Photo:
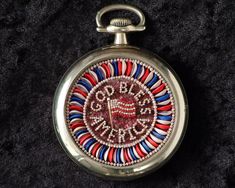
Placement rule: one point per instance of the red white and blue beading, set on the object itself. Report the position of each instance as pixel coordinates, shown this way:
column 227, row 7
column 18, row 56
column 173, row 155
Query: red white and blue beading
column 151, row 141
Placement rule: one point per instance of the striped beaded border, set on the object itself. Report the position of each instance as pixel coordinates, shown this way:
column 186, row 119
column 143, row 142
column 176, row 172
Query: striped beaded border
column 120, row 156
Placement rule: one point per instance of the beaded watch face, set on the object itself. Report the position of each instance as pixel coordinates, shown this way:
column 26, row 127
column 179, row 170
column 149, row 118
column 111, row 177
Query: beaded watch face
column 120, row 111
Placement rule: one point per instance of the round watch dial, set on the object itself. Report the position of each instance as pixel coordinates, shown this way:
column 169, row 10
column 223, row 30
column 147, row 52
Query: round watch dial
column 120, row 111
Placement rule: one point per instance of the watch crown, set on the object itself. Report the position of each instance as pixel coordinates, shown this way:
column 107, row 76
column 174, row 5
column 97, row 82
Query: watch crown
column 120, row 22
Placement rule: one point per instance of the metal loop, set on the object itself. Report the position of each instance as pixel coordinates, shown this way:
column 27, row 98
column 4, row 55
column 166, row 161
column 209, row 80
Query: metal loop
column 120, row 7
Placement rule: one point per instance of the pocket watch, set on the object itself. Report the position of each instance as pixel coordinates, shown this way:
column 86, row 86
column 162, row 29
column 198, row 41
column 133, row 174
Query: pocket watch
column 120, row 112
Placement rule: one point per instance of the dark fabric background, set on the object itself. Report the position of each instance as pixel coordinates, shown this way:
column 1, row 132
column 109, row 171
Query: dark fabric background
column 39, row 40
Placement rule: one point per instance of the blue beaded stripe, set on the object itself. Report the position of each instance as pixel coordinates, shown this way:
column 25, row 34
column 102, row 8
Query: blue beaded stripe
column 118, row 155
column 155, row 133
column 79, row 132
column 102, row 152
column 148, row 149
column 74, row 116
column 162, row 98
column 138, row 71
column 152, row 81
column 84, row 83
column 99, row 73
column 115, row 67
column 165, row 118
column 132, row 154
column 89, row 143
column 77, row 99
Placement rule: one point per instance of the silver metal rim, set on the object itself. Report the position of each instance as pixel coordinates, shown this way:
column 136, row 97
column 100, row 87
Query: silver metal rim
column 146, row 166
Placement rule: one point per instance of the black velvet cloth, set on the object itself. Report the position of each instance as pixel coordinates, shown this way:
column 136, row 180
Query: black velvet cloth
column 40, row 39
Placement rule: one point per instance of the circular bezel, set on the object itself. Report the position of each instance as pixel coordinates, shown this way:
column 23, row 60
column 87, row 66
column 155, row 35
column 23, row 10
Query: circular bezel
column 149, row 164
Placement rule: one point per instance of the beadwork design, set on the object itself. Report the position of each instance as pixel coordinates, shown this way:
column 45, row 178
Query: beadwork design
column 120, row 111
